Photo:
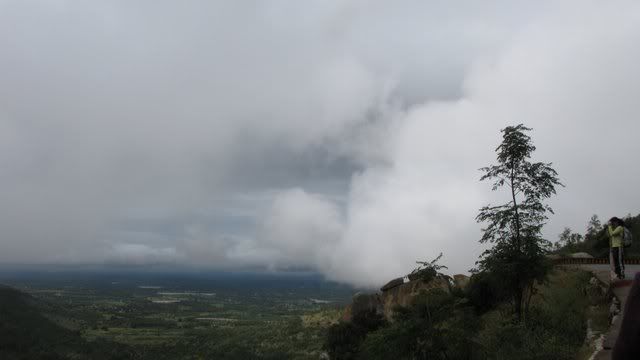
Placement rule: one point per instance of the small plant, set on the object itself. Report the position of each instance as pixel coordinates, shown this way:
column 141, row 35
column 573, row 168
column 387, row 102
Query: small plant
column 427, row 270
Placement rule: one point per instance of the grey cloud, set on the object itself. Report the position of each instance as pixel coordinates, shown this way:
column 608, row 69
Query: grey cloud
column 339, row 136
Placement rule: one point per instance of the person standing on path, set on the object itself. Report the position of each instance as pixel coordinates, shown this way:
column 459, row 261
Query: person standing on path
column 615, row 230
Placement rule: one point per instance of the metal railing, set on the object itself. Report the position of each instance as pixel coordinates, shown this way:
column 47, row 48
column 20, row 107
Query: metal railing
column 591, row 261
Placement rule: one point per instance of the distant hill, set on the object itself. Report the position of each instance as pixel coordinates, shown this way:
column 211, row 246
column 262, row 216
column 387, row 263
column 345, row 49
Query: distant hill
column 25, row 333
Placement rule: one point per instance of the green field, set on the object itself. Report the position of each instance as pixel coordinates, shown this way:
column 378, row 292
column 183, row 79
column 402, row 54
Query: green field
column 178, row 322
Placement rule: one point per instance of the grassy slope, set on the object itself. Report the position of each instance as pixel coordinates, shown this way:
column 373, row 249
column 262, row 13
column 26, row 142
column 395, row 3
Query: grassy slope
column 561, row 310
column 25, row 333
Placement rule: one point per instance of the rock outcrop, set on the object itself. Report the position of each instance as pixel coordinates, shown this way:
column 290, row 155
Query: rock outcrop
column 391, row 284
column 461, row 281
column 405, row 294
column 398, row 292
column 363, row 303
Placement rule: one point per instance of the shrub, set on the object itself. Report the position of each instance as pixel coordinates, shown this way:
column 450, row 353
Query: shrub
column 485, row 291
column 344, row 339
column 436, row 326
column 555, row 327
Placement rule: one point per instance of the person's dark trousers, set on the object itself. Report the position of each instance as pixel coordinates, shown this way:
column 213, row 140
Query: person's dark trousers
column 617, row 259
column 627, row 345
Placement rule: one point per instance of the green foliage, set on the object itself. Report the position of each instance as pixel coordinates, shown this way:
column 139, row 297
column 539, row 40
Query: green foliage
column 427, row 270
column 596, row 241
column 555, row 328
column 594, row 226
column 343, row 339
column 26, row 334
column 441, row 325
column 485, row 291
column 517, row 256
column 436, row 326
column 92, row 321
column 633, row 224
column 568, row 241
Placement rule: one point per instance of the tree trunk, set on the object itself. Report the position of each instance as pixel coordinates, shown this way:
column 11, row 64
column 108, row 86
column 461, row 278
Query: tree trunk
column 528, row 302
column 518, row 303
column 519, row 291
column 515, row 207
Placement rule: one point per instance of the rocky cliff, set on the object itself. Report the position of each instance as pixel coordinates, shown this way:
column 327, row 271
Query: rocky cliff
column 399, row 292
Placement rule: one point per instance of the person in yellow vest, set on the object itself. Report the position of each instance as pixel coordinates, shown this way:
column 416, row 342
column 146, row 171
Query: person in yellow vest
column 615, row 230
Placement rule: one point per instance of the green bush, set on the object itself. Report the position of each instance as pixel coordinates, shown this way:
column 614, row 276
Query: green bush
column 344, row 339
column 539, row 337
column 446, row 325
column 437, row 326
column 485, row 291
column 554, row 329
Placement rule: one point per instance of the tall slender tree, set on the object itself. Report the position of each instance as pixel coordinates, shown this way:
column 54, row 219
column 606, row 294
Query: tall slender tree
column 517, row 256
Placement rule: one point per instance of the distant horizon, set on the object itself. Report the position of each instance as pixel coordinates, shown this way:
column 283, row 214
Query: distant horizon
column 165, row 278
column 149, row 268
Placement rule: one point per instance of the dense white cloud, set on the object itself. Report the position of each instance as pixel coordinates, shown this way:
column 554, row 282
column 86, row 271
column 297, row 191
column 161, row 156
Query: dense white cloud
column 305, row 228
column 339, row 136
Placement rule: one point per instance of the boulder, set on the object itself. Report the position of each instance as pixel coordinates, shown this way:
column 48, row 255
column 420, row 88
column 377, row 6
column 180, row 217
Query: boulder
column 393, row 283
column 362, row 303
column 461, row 281
column 397, row 293
column 404, row 295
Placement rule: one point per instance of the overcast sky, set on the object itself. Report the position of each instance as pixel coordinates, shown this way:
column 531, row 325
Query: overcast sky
column 339, row 136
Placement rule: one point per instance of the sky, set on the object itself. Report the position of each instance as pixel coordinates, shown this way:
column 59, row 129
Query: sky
column 342, row 137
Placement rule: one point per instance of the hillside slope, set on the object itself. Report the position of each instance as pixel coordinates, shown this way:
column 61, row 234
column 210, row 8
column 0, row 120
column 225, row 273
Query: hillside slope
column 25, row 333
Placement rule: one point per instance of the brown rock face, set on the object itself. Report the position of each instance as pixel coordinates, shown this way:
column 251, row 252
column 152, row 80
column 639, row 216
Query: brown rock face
column 404, row 295
column 347, row 316
column 391, row 284
column 395, row 293
column 461, row 281
column 365, row 302
column 362, row 303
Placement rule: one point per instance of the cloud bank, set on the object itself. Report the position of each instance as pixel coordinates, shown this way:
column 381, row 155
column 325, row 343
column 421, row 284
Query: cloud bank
column 343, row 137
